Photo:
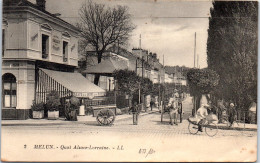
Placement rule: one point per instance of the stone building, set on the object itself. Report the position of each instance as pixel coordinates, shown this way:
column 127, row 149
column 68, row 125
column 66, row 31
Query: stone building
column 34, row 40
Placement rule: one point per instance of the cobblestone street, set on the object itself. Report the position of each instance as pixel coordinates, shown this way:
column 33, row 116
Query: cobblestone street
column 169, row 142
column 163, row 141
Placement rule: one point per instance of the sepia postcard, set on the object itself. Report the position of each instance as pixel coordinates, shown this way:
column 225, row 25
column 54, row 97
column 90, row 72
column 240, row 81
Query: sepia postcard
column 129, row 81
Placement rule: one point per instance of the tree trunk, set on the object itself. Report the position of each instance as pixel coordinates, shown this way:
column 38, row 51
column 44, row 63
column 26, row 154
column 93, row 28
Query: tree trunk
column 130, row 99
column 97, row 76
column 198, row 99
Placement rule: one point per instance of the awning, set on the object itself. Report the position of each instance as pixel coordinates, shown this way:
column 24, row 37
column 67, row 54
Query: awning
column 107, row 66
column 76, row 83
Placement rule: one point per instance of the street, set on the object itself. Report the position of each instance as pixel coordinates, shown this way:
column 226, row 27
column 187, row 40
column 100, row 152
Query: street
column 150, row 140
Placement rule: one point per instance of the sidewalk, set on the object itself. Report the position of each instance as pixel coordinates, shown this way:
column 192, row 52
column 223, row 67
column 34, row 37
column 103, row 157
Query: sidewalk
column 62, row 121
column 239, row 126
column 92, row 120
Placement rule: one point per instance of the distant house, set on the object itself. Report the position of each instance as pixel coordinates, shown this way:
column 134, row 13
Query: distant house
column 168, row 78
column 105, row 69
column 179, row 79
column 144, row 64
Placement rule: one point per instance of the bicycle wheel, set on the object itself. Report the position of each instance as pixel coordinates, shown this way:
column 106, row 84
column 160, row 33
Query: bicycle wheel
column 224, row 121
column 211, row 129
column 193, row 129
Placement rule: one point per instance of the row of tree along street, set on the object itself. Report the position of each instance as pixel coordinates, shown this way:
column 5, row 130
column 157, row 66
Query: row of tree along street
column 131, row 84
column 231, row 75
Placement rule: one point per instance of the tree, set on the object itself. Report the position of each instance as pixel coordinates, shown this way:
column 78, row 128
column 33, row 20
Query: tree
column 127, row 81
column 146, row 86
column 232, row 50
column 201, row 81
column 103, row 26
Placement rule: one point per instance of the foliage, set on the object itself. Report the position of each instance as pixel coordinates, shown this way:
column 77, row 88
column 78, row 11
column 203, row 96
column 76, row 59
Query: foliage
column 171, row 87
column 202, row 81
column 146, row 86
column 127, row 81
column 104, row 26
column 53, row 101
column 37, row 106
column 70, row 108
column 74, row 103
column 232, row 50
column 157, row 89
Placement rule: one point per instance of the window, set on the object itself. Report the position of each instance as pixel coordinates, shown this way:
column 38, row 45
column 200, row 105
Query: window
column 45, row 46
column 65, row 51
column 3, row 42
column 9, row 90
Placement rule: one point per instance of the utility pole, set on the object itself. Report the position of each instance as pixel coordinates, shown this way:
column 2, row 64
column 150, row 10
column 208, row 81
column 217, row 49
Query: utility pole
column 194, row 99
column 198, row 61
column 163, row 92
column 117, row 46
column 142, row 67
column 195, row 51
column 140, row 42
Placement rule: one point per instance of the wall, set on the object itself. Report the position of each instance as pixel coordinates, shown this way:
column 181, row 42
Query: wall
column 25, row 79
column 15, row 38
column 23, row 39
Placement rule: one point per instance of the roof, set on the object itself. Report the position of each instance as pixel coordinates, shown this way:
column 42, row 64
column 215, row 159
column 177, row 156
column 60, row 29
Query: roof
column 107, row 66
column 75, row 82
column 26, row 3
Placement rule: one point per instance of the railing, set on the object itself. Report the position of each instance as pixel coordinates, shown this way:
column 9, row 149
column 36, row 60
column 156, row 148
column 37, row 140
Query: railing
column 103, row 101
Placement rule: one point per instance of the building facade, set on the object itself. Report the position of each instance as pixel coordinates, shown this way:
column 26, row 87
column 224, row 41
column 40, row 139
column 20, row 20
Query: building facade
column 32, row 39
column 110, row 62
column 179, row 79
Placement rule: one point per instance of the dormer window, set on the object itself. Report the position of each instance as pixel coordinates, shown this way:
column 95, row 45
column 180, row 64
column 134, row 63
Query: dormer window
column 45, row 46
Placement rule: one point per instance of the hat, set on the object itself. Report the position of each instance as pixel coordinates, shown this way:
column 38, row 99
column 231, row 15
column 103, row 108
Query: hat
column 231, row 104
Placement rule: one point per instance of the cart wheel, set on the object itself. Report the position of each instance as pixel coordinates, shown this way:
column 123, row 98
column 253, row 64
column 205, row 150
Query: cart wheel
column 105, row 117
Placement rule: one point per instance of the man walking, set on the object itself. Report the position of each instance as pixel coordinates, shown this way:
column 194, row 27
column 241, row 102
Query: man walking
column 151, row 104
column 180, row 110
column 231, row 113
column 135, row 111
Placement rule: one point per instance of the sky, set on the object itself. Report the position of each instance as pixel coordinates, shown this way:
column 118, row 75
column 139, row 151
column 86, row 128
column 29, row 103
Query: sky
column 167, row 27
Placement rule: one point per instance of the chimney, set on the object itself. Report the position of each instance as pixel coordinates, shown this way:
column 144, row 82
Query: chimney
column 41, row 4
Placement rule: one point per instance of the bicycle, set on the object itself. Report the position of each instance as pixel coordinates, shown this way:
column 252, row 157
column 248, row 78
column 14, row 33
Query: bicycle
column 211, row 128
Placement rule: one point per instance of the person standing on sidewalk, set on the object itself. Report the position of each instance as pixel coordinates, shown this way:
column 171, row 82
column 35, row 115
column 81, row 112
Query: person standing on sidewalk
column 173, row 112
column 135, row 111
column 151, row 104
column 231, row 113
column 180, row 110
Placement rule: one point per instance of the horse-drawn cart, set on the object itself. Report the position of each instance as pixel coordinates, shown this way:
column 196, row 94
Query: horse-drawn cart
column 105, row 114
